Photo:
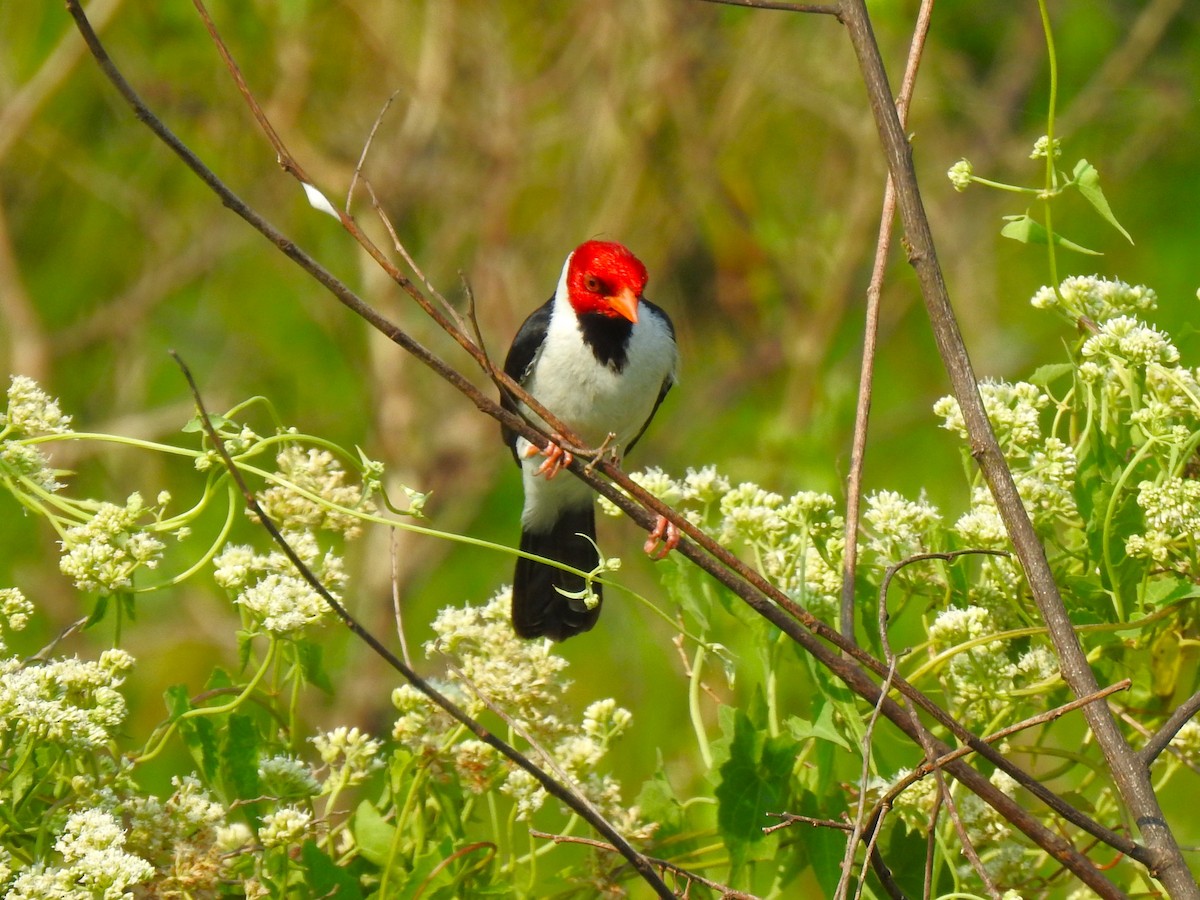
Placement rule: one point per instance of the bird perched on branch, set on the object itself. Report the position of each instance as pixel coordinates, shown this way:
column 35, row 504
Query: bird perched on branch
column 601, row 358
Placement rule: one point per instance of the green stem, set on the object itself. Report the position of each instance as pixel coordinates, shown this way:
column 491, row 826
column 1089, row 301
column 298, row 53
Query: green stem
column 694, row 707
column 1052, row 60
column 201, row 711
column 1106, row 536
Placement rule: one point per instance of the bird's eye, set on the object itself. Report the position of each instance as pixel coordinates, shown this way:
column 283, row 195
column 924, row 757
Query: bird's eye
column 592, row 284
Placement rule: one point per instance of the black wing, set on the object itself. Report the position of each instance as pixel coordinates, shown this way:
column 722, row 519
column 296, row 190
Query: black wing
column 521, row 355
column 667, row 384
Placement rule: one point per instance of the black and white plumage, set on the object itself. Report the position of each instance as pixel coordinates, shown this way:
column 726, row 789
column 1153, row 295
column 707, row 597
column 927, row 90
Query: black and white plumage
column 601, row 358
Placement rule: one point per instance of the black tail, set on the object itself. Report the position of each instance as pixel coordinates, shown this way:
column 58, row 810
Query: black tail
column 537, row 608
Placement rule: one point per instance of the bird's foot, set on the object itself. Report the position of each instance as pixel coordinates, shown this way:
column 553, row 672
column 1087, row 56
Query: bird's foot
column 556, row 460
column 664, row 538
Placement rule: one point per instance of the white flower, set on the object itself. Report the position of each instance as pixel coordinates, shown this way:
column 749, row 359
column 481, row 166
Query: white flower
column 1013, row 409
column 1042, row 147
column 19, row 460
column 92, row 846
column 350, row 754
column 67, row 701
column 315, row 472
column 901, row 527
column 1127, row 340
column 31, row 411
column 1096, row 298
column 104, row 552
column 15, row 610
column 284, row 827
column 283, row 604
column 960, row 175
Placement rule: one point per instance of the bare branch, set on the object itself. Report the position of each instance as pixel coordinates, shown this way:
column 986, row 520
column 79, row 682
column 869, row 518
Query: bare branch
column 727, row 893
column 827, row 9
column 1158, row 743
column 862, row 413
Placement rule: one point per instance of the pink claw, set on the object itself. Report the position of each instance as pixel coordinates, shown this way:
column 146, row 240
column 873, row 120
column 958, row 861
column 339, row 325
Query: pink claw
column 662, row 540
column 557, row 459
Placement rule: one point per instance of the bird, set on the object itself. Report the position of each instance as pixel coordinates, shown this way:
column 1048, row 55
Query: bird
column 600, row 358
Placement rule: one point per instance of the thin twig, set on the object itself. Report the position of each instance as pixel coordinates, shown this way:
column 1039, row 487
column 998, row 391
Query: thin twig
column 362, row 157
column 866, row 380
column 557, row 789
column 790, row 819
column 1158, row 743
column 396, row 605
column 727, row 893
column 826, row 9
column 1041, row 718
column 860, row 816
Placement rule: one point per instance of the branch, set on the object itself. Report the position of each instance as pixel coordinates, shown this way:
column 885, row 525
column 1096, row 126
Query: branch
column 862, row 413
column 579, row 804
column 828, row 9
column 727, row 893
column 1162, row 738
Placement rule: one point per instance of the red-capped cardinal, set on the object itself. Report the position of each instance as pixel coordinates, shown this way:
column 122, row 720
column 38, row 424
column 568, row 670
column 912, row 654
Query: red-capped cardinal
column 601, row 358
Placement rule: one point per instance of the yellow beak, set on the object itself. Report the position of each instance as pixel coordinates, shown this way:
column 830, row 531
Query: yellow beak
column 626, row 303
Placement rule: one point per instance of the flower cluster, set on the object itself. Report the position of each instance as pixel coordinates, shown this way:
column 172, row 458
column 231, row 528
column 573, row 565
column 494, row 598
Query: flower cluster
column 960, row 175
column 1171, row 510
column 31, row 414
column 1044, row 147
column 103, row 553
column 31, row 411
column 270, row 591
column 488, row 661
column 350, row 755
column 1043, row 467
column 797, row 541
column 94, row 863
column 981, row 675
column 71, row 702
column 313, row 491
column 1095, row 298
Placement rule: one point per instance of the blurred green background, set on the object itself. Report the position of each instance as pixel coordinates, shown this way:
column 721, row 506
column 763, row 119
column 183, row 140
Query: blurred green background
column 731, row 149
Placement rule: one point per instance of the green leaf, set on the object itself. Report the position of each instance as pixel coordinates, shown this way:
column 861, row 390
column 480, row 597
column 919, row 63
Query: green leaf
column 218, row 422
column 177, row 699
column 754, row 781
column 1087, row 179
column 325, row 877
column 373, row 834
column 1164, row 591
column 1026, row 230
column 200, row 738
column 820, row 728
column 658, row 803
column 310, row 656
column 97, row 614
column 239, row 758
column 1044, row 376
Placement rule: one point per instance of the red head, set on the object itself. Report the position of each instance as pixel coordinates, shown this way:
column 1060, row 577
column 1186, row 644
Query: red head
column 605, row 278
